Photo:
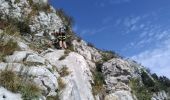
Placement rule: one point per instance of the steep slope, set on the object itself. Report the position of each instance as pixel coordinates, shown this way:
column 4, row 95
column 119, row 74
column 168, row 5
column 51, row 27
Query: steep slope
column 32, row 69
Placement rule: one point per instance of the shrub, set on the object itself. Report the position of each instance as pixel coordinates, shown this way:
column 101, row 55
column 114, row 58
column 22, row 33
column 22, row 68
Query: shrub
column 17, row 1
column 29, row 91
column 15, row 83
column 13, row 26
column 99, row 66
column 68, row 21
column 24, row 26
column 62, row 57
column 11, row 30
column 53, row 97
column 97, row 87
column 8, row 48
column 30, row 2
column 10, row 80
column 107, row 55
column 61, row 83
column 79, row 39
column 64, row 71
column 38, row 7
column 70, row 47
column 141, row 92
column 90, row 44
column 147, row 81
column 3, row 24
column 66, row 53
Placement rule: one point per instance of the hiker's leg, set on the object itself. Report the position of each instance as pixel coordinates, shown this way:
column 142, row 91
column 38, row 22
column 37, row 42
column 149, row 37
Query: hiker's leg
column 60, row 43
column 64, row 45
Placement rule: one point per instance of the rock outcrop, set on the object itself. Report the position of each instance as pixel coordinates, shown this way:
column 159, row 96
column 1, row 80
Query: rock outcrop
column 117, row 73
column 162, row 95
column 61, row 74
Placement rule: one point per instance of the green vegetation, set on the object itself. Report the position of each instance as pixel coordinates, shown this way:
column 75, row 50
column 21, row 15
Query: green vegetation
column 162, row 83
column 68, row 21
column 79, row 39
column 29, row 91
column 53, row 97
column 37, row 7
column 15, row 83
column 23, row 26
column 144, row 90
column 17, row 1
column 7, row 48
column 98, row 77
column 107, row 55
column 12, row 26
column 70, row 46
column 32, row 63
column 10, row 80
column 97, row 87
column 141, row 92
column 39, row 45
column 90, row 45
column 11, row 30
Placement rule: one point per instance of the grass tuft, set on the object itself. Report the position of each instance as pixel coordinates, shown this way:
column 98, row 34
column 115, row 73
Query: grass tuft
column 64, row 71
column 98, row 87
column 10, row 80
column 61, row 83
column 15, row 83
column 7, row 48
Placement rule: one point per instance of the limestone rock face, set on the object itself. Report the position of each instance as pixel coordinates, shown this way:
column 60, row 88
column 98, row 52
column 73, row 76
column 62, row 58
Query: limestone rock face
column 40, row 23
column 78, row 85
column 31, row 64
column 119, row 95
column 63, row 74
column 45, row 23
column 14, row 10
column 41, row 2
column 160, row 96
column 89, row 53
column 117, row 73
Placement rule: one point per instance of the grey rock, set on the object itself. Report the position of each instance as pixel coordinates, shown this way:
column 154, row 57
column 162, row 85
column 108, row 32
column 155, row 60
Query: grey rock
column 7, row 95
column 90, row 53
column 119, row 95
column 78, row 85
column 162, row 95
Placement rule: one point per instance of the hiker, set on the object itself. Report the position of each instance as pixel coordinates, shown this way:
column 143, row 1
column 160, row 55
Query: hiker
column 62, row 37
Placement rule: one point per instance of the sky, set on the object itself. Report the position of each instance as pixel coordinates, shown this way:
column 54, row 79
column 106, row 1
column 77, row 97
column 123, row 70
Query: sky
column 136, row 29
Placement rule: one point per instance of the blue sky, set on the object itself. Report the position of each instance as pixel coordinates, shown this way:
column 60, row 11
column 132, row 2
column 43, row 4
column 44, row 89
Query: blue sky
column 138, row 29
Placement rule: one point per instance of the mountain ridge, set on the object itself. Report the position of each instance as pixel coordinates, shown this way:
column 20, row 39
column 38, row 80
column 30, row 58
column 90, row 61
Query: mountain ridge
column 81, row 72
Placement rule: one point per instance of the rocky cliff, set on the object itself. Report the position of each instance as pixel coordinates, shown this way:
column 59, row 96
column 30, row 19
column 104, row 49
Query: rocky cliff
column 32, row 69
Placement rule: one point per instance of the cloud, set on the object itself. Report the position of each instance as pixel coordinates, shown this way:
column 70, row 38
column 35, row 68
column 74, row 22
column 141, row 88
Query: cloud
column 105, row 3
column 94, row 31
column 156, row 59
column 107, row 20
column 119, row 1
